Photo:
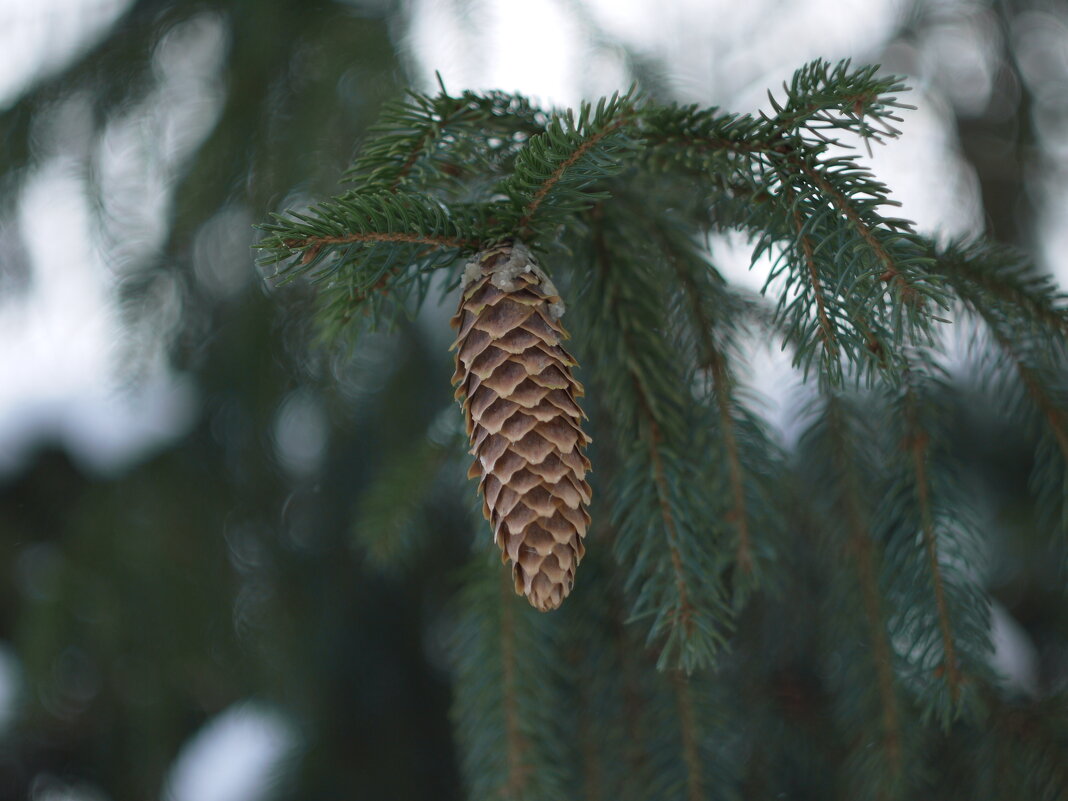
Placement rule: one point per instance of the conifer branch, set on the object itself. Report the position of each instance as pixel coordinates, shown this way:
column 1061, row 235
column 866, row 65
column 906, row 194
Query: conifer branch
column 421, row 128
column 517, row 769
column 983, row 274
column 864, row 559
column 633, row 701
column 638, row 372
column 531, row 208
column 1037, row 730
column 552, row 175
column 917, row 444
column 829, row 338
column 625, row 193
column 1011, row 302
column 861, row 549
column 821, row 97
column 1054, row 416
column 690, row 736
column 313, row 243
column 683, row 614
column 841, row 202
column 739, row 516
column 503, row 706
column 714, row 360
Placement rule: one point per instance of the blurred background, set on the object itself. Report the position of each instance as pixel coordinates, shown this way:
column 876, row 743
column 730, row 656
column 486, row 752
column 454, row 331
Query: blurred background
column 206, row 593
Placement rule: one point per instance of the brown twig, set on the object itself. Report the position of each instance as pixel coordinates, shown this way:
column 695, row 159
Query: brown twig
column 826, row 326
column 295, row 243
column 714, row 361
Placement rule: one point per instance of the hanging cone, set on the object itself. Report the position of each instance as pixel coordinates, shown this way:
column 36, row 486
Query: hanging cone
column 518, row 398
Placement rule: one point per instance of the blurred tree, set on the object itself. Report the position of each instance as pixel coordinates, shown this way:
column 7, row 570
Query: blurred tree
column 224, row 568
column 300, row 544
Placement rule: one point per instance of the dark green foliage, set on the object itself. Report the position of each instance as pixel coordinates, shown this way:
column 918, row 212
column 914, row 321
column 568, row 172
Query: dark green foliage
column 706, row 515
column 508, row 709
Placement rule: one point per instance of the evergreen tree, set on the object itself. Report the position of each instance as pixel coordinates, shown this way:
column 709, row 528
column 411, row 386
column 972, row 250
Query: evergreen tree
column 749, row 620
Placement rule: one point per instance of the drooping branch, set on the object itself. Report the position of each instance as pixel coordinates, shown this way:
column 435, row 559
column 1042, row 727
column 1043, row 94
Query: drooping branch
column 1053, row 414
column 690, row 736
column 846, row 208
column 862, row 552
column 807, row 250
column 683, row 613
column 714, row 360
column 515, row 763
column 917, row 444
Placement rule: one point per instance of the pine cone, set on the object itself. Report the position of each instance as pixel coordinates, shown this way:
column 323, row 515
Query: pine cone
column 518, row 398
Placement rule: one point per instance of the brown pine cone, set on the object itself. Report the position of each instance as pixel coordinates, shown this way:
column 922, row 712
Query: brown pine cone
column 518, row 398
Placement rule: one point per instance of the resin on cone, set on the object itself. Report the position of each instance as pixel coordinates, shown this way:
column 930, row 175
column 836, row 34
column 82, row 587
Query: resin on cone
column 519, row 400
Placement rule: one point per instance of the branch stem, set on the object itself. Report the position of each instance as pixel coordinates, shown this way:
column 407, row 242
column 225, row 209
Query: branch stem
column 379, row 236
column 652, row 433
column 690, row 736
column 917, row 443
column 513, row 736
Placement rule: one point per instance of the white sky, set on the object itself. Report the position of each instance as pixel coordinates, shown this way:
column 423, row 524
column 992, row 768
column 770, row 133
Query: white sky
column 39, row 36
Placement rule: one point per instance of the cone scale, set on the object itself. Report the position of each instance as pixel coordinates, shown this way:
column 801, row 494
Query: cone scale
column 515, row 383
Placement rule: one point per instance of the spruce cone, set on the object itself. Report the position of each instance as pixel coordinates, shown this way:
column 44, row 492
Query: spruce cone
column 518, row 399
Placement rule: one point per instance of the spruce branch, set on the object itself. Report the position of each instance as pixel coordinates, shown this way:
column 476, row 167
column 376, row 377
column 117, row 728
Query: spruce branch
column 422, row 140
column 831, row 451
column 1011, row 325
column 674, row 579
column 608, row 729
column 302, row 240
column 551, row 174
column 388, row 515
column 371, row 252
column 716, row 363
column 917, row 443
column 988, row 275
column 808, row 252
column 517, row 770
column 772, row 154
column 689, row 735
column 504, row 658
column 1034, row 751
column 938, row 613
column 1054, row 415
column 713, row 358
column 634, row 701
column 862, row 551
column 823, row 97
